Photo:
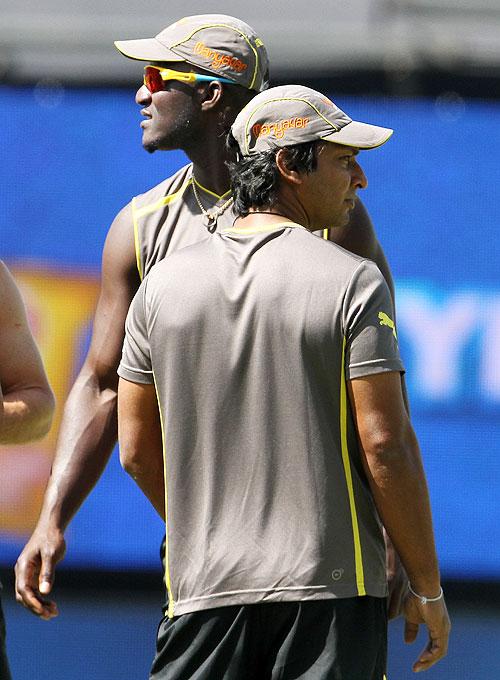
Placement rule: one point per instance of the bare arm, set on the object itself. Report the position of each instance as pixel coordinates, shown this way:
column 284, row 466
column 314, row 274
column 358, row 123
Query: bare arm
column 141, row 448
column 359, row 237
column 88, row 430
column 393, row 466
column 27, row 403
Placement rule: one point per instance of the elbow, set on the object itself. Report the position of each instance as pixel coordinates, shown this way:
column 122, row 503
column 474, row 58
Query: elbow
column 392, row 450
column 100, row 379
column 26, row 416
column 38, row 417
column 129, row 459
column 42, row 427
column 45, row 414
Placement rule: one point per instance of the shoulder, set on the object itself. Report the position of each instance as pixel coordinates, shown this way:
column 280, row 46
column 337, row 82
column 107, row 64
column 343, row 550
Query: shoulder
column 181, row 270
column 334, row 268
column 183, row 258
column 4, row 273
column 170, row 189
column 12, row 306
column 119, row 248
column 121, row 241
column 358, row 236
column 329, row 254
column 366, row 285
column 9, row 292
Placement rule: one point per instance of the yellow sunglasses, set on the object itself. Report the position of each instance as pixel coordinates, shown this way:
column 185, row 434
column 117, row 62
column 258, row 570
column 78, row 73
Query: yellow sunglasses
column 155, row 77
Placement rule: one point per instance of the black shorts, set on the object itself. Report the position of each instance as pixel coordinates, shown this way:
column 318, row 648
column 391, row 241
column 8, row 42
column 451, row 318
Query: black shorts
column 4, row 664
column 343, row 639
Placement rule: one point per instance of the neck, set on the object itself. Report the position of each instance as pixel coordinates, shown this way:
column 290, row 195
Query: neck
column 258, row 218
column 209, row 166
column 286, row 209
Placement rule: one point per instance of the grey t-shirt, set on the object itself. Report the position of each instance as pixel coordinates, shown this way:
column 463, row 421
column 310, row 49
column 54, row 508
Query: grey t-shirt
column 249, row 338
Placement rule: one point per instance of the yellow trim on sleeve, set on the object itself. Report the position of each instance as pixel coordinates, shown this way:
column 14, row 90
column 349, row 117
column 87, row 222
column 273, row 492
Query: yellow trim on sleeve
column 358, row 556
column 326, row 233
column 171, row 603
column 153, row 207
column 170, row 198
column 136, row 239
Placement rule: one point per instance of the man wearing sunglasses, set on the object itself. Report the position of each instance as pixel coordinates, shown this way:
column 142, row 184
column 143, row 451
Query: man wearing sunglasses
column 199, row 73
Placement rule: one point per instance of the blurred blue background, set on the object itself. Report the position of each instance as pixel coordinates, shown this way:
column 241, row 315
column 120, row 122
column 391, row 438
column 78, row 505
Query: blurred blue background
column 73, row 158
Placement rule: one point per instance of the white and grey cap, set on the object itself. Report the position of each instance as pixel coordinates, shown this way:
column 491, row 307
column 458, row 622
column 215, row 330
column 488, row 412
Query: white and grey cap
column 218, row 43
column 293, row 114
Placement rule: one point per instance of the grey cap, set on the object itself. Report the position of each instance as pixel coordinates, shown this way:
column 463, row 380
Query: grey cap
column 293, row 114
column 216, row 43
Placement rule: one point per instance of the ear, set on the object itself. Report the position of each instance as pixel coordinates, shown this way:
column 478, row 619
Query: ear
column 211, row 95
column 286, row 170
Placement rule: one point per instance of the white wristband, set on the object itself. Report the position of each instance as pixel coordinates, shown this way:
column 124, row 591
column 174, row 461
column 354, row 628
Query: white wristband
column 422, row 598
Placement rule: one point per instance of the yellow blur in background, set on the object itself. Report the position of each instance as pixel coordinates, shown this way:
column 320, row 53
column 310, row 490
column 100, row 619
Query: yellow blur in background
column 60, row 308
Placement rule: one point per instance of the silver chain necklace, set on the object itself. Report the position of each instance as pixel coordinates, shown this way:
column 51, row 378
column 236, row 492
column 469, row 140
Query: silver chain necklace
column 210, row 217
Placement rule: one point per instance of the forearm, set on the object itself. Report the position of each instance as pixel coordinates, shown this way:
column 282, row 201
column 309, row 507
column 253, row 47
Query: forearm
column 393, row 562
column 26, row 415
column 404, row 392
column 401, row 496
column 150, row 479
column 86, row 439
column 141, row 441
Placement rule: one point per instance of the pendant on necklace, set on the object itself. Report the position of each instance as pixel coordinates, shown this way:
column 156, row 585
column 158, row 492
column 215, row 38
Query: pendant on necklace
column 210, row 222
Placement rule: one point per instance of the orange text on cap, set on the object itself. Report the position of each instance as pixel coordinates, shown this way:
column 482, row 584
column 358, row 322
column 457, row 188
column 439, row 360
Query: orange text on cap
column 219, row 60
column 279, row 128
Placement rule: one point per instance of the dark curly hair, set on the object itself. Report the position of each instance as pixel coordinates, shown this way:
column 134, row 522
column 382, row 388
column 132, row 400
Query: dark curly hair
column 255, row 179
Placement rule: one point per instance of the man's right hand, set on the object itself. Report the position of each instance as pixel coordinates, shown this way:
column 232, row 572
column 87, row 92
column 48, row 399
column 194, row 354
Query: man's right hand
column 35, row 572
column 435, row 616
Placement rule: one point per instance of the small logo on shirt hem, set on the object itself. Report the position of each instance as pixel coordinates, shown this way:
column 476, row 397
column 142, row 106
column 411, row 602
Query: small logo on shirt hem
column 337, row 574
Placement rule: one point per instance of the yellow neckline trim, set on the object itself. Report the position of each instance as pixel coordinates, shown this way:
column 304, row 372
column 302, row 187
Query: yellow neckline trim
column 212, row 193
column 263, row 229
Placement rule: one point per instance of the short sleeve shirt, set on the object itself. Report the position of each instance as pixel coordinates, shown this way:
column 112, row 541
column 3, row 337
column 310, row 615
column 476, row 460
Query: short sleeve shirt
column 249, row 339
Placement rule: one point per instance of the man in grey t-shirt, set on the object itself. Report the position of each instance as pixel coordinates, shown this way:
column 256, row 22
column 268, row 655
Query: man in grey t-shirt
column 260, row 379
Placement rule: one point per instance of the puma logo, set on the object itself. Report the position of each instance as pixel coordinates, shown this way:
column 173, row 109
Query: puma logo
column 387, row 321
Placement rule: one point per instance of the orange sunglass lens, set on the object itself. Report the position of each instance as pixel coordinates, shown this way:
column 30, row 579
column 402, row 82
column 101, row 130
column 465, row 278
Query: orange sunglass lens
column 153, row 80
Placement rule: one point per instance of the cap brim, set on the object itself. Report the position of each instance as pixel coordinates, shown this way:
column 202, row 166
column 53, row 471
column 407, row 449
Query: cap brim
column 146, row 49
column 360, row 135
